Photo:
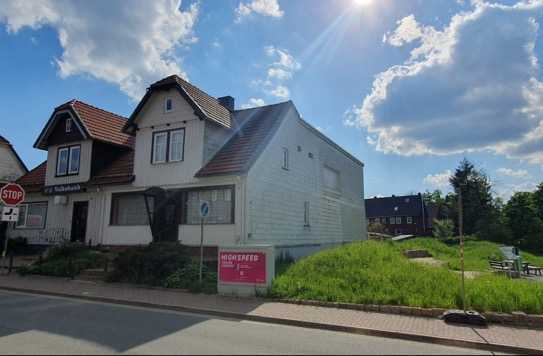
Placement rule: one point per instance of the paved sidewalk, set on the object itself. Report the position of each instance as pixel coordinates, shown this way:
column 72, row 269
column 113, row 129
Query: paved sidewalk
column 495, row 337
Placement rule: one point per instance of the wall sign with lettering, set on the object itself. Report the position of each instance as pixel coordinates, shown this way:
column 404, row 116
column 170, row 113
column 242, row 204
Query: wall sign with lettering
column 63, row 189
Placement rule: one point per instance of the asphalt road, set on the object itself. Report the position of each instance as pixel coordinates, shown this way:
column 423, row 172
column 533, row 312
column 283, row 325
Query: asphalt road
column 32, row 324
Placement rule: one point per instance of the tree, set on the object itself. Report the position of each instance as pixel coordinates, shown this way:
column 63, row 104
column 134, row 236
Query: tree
column 476, row 196
column 443, row 229
column 538, row 200
column 522, row 217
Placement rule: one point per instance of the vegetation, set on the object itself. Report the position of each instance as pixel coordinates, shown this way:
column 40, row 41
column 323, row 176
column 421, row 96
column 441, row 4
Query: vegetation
column 377, row 228
column 189, row 278
column 518, row 222
column 151, row 264
column 66, row 260
column 373, row 272
column 443, row 229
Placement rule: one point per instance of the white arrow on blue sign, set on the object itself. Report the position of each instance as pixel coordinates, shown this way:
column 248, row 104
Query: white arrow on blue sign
column 204, row 209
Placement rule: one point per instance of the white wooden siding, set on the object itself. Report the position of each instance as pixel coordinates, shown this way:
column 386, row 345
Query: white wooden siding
column 10, row 169
column 84, row 164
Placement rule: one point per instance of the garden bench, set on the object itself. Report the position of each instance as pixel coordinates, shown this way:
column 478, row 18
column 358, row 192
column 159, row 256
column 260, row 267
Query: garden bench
column 500, row 266
column 537, row 270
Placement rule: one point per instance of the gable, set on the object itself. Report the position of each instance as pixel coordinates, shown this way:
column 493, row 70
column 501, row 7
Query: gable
column 59, row 135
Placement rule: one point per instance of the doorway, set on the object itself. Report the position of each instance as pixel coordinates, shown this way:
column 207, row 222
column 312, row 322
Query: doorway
column 79, row 221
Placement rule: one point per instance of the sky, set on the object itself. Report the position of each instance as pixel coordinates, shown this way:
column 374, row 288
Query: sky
column 410, row 87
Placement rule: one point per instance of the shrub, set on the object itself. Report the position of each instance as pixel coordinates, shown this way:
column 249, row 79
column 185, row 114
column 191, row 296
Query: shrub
column 17, row 245
column 189, row 278
column 443, row 229
column 150, row 264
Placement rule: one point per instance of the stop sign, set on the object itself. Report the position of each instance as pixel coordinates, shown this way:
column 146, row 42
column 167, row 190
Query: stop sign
column 12, row 194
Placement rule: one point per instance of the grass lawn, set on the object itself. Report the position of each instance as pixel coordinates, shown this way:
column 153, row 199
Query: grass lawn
column 372, row 272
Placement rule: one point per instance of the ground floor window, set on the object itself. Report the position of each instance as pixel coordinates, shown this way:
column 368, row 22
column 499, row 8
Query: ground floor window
column 32, row 215
column 221, row 205
column 128, row 209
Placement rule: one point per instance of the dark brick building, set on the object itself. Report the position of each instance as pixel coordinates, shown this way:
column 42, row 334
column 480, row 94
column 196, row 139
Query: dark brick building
column 401, row 215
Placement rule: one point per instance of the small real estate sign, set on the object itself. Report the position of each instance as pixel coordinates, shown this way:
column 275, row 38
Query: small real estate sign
column 245, row 270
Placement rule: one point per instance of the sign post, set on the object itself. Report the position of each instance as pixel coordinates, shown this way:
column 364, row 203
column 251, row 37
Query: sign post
column 11, row 195
column 204, row 212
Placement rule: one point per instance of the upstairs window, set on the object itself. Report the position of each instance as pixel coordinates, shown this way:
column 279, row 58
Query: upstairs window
column 68, row 160
column 68, row 125
column 285, row 165
column 331, row 179
column 168, row 146
column 168, row 105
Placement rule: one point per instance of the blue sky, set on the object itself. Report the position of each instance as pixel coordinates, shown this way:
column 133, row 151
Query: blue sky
column 409, row 87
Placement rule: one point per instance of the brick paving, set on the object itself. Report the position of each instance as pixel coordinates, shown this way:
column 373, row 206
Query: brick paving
column 410, row 325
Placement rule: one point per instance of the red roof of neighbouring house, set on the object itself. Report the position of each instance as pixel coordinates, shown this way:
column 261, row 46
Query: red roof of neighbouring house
column 97, row 124
column 120, row 171
column 258, row 126
column 34, row 180
column 203, row 104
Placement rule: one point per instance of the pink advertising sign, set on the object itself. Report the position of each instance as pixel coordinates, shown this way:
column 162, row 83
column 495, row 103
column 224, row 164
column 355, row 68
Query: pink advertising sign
column 242, row 267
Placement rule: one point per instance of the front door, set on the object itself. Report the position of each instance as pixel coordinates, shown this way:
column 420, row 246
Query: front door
column 79, row 221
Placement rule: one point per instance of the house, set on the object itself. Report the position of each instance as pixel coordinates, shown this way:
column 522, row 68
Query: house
column 269, row 176
column 400, row 215
column 11, row 165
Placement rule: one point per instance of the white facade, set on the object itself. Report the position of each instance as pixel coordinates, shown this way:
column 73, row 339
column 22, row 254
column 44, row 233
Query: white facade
column 10, row 167
column 316, row 202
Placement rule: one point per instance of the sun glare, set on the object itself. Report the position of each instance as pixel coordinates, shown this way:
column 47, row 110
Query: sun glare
column 362, row 2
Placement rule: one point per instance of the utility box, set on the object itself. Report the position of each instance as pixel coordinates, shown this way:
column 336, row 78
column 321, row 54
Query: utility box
column 245, row 271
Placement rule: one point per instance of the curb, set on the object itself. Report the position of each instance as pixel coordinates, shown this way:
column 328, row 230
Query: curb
column 298, row 323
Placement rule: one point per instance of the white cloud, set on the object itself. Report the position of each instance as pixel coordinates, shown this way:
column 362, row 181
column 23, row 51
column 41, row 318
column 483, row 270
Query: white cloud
column 508, row 172
column 268, row 8
column 472, row 86
column 506, row 190
column 279, row 71
column 253, row 103
column 130, row 46
column 438, row 181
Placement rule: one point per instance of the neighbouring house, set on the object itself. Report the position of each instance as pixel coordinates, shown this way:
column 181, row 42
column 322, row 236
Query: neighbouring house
column 401, row 215
column 11, row 165
column 269, row 176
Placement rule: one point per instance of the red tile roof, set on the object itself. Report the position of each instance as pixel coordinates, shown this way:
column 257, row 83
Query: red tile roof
column 257, row 128
column 102, row 125
column 119, row 171
column 204, row 105
column 34, row 181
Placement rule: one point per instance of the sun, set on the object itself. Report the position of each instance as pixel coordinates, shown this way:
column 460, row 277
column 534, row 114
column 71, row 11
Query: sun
column 362, row 2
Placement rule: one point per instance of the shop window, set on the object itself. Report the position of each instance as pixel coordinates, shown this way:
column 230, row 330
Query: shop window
column 32, row 216
column 129, row 209
column 220, row 206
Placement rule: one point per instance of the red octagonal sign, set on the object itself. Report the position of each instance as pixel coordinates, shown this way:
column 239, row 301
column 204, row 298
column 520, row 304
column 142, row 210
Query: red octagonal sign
column 12, row 194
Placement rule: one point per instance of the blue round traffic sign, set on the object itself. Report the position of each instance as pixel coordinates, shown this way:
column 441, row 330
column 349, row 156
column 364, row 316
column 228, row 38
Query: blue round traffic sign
column 204, row 209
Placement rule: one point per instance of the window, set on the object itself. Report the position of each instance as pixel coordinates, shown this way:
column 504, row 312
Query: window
column 331, row 179
column 392, row 220
column 220, row 209
column 68, row 125
column 306, row 214
column 285, row 159
column 168, row 105
column 68, row 160
column 177, row 143
column 129, row 209
column 32, row 216
column 398, row 220
column 409, row 219
column 168, row 146
column 75, row 157
column 383, row 221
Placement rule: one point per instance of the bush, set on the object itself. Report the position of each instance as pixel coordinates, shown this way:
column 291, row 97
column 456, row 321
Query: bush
column 443, row 229
column 151, row 264
column 189, row 278
column 66, row 260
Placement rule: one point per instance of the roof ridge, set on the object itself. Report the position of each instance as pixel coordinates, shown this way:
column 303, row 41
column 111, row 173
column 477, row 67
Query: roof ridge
column 73, row 101
column 264, row 106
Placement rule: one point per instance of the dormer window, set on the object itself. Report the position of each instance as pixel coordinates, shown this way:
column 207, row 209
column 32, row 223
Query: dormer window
column 68, row 160
column 168, row 105
column 68, row 125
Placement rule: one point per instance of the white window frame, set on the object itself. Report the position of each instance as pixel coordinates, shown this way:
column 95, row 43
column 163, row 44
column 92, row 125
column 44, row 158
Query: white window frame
column 410, row 220
column 392, row 220
column 60, row 173
column 154, row 159
column 70, row 162
column 398, row 220
column 25, row 208
column 69, row 125
column 166, row 101
column 286, row 157
column 170, row 145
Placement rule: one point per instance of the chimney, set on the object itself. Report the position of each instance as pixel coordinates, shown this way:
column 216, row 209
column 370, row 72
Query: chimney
column 228, row 102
